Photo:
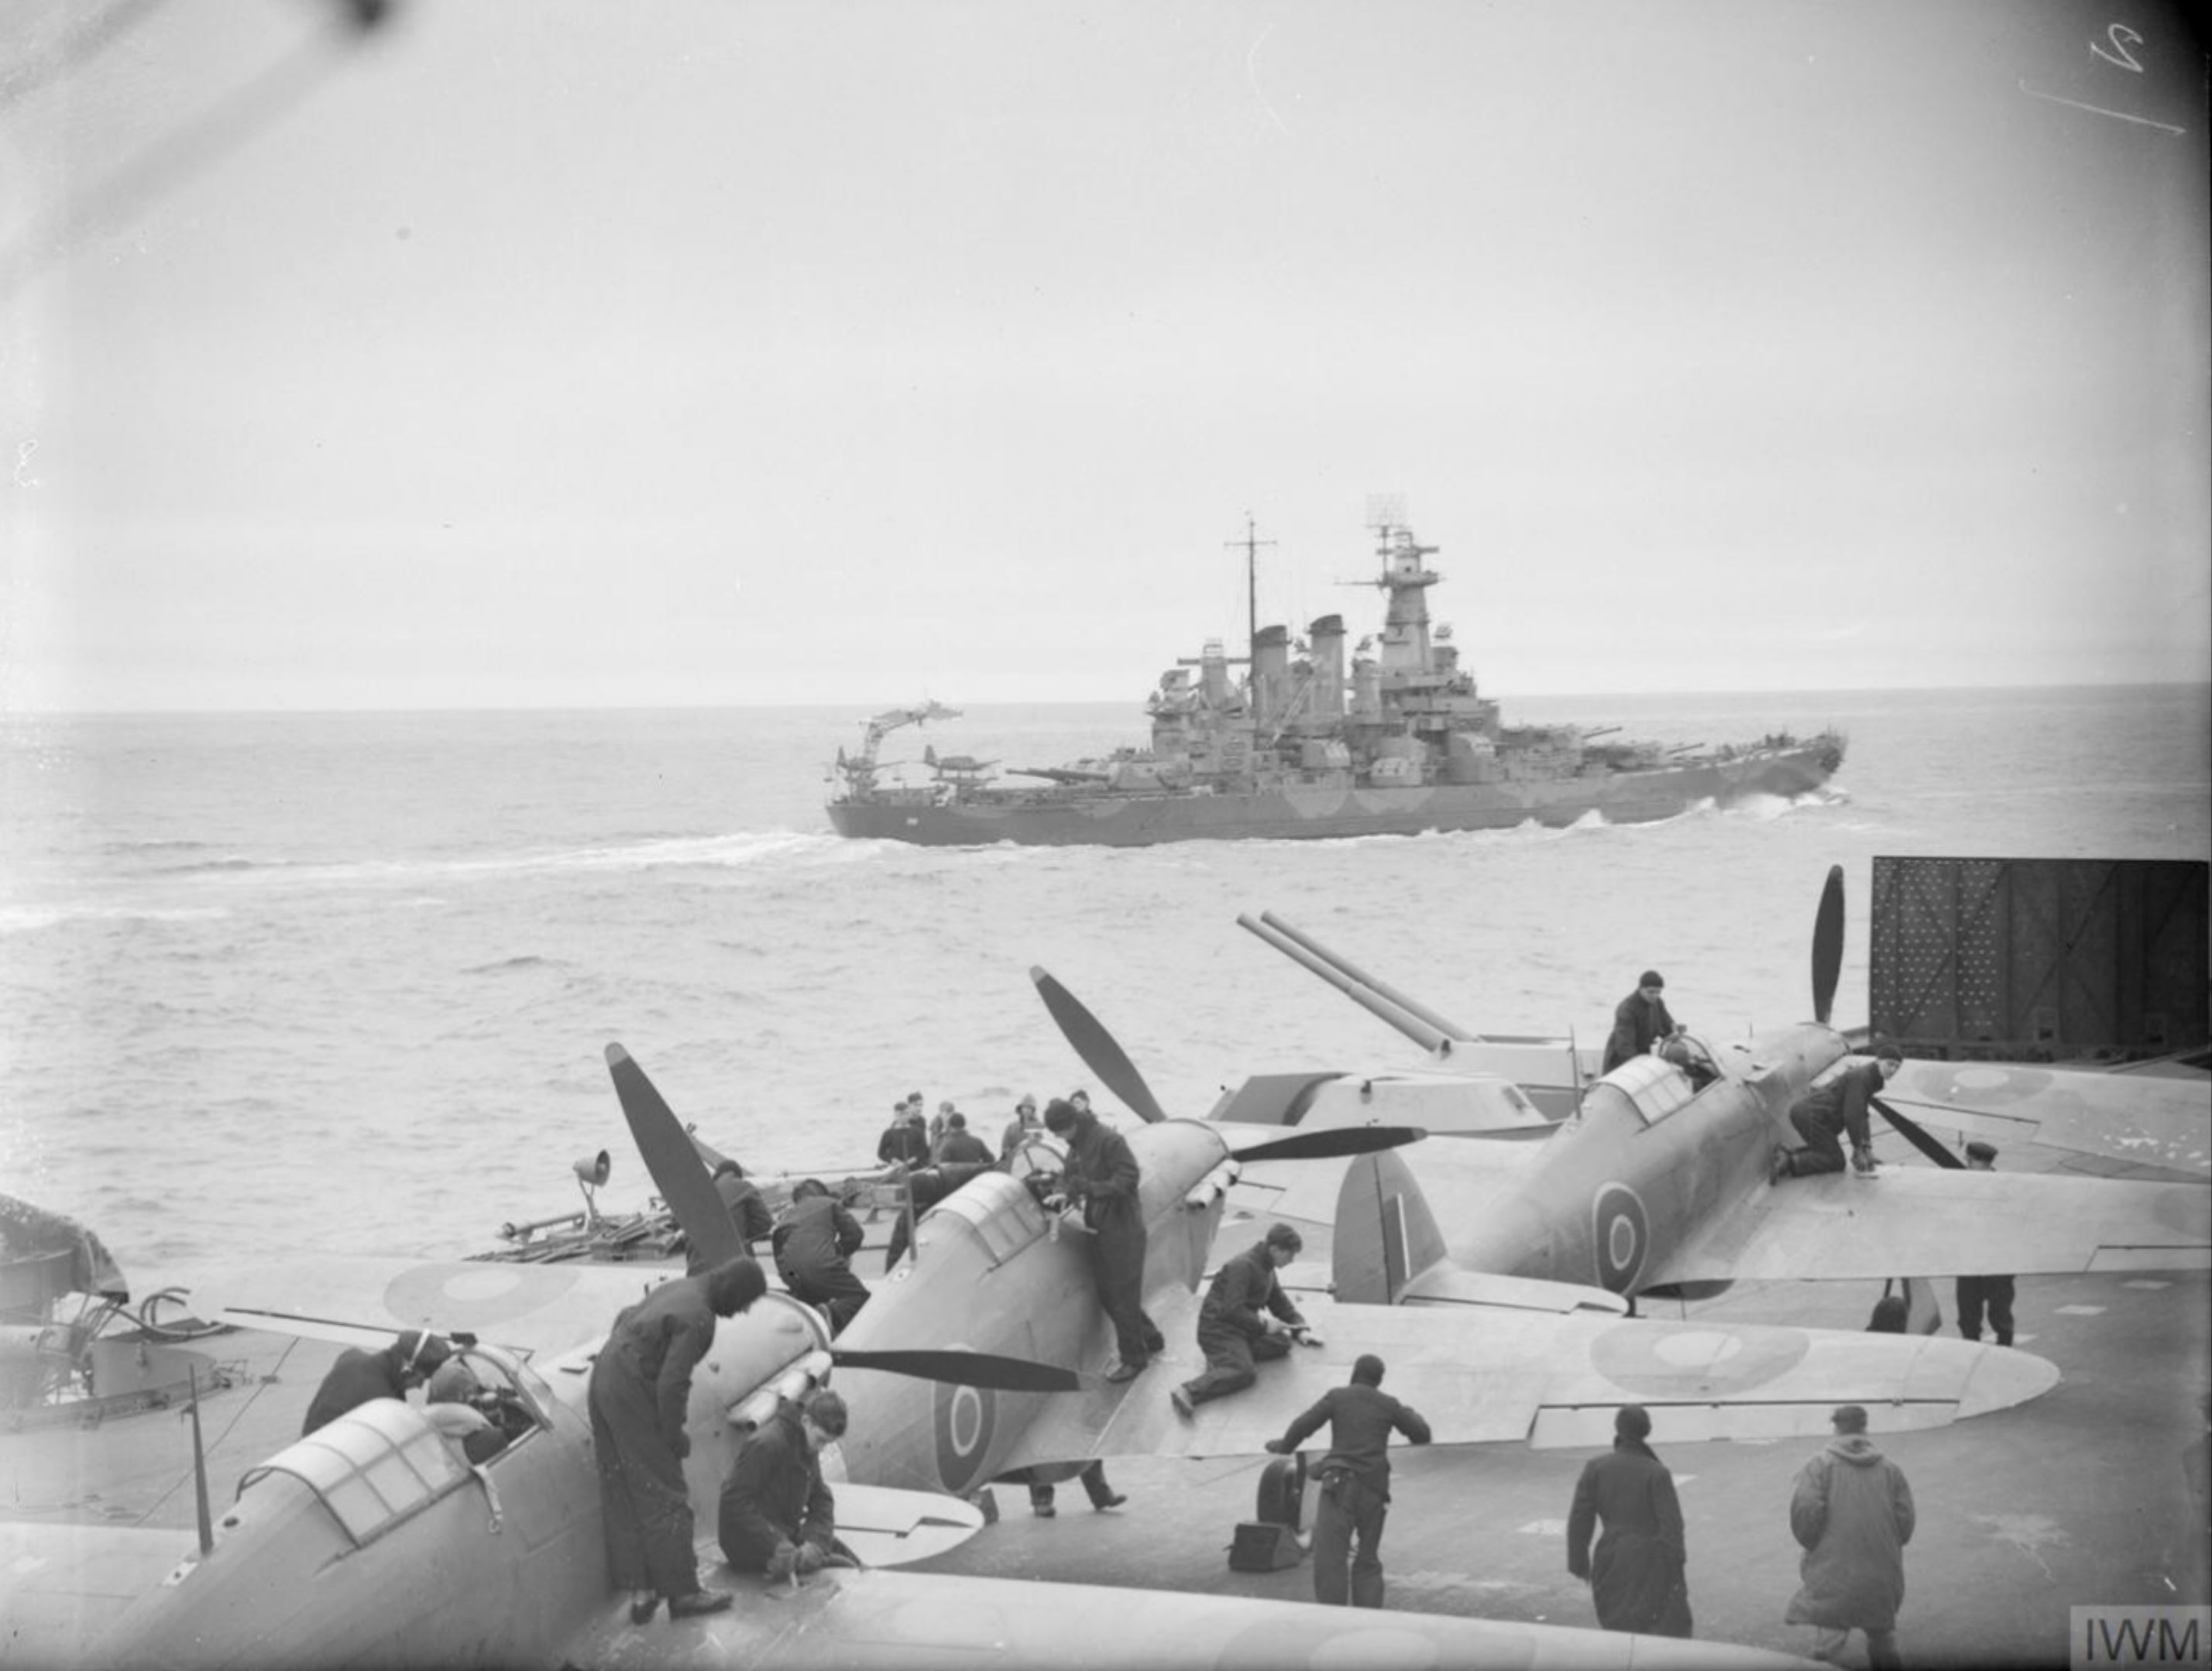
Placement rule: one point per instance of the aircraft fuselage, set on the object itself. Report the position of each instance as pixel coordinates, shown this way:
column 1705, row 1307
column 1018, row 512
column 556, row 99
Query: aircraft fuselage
column 992, row 1275
column 1647, row 1162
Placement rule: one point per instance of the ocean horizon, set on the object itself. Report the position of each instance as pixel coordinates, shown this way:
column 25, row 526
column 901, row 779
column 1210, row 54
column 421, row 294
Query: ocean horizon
column 345, row 980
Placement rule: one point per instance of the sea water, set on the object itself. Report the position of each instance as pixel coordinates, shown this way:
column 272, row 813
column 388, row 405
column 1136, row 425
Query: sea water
column 342, row 983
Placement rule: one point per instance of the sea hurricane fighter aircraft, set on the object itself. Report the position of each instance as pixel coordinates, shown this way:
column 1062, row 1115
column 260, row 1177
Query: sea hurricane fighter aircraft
column 1659, row 1185
column 375, row 1541
column 372, row 1541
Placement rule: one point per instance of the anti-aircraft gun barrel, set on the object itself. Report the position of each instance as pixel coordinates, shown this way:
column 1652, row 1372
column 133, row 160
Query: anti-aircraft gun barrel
column 1384, row 1007
column 1444, row 1024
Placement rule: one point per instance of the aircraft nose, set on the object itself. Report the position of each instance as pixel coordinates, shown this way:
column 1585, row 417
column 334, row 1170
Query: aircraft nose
column 2004, row 1378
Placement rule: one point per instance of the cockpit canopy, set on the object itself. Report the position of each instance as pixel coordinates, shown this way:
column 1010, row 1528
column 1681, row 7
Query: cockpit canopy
column 998, row 1211
column 1651, row 1086
column 383, row 1461
column 372, row 1468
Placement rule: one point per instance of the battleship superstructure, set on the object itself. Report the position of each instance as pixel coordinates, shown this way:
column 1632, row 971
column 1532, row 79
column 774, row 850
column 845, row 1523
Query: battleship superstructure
column 1304, row 746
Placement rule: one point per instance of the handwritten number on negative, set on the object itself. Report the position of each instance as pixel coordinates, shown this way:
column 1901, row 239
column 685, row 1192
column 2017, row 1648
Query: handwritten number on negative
column 2122, row 38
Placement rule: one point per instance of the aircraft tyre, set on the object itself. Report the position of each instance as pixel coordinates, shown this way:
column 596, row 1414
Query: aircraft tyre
column 1282, row 1492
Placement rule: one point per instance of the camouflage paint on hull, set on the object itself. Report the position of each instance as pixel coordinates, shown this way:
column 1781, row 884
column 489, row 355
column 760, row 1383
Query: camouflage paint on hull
column 1082, row 818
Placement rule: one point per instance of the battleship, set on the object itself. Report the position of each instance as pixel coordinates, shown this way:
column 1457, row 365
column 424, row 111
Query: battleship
column 1302, row 746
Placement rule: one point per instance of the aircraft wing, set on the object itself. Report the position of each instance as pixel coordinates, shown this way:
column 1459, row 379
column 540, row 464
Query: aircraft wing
column 892, row 1621
column 1485, row 1376
column 1930, row 1223
column 542, row 1309
column 2164, row 1124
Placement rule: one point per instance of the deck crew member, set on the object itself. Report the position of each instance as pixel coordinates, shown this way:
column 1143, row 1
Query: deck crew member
column 1103, row 1178
column 1836, row 1109
column 1246, row 1317
column 959, row 1145
column 1978, row 1294
column 1639, row 1021
column 777, row 1516
column 903, row 1139
column 358, row 1376
column 1636, row 1574
column 1042, row 1477
column 902, row 1142
column 1852, row 1511
column 1021, row 1128
column 1355, row 1481
column 456, row 1402
column 814, row 1244
column 748, row 1212
column 640, row 1386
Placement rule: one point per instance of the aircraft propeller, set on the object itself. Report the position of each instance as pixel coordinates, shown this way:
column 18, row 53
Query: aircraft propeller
column 1095, row 1046
column 1828, row 945
column 1919, row 1136
column 1332, row 1143
column 681, row 1177
column 1827, row 966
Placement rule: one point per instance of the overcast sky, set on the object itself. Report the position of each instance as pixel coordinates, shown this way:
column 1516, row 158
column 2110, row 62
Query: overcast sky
column 565, row 354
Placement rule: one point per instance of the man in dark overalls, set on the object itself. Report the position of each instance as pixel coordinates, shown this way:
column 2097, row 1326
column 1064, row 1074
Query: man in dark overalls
column 1639, row 1021
column 1838, row 1107
column 357, row 1377
column 1102, row 1177
column 1246, row 1317
column 640, row 1386
column 814, row 1246
column 778, row 1516
column 1355, row 1479
column 748, row 1210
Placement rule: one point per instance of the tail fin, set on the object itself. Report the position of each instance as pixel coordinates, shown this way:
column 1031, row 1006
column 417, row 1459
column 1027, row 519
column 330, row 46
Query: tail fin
column 1385, row 1233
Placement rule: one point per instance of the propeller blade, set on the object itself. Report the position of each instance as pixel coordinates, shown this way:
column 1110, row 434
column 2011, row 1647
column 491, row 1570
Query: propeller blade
column 1919, row 1136
column 1332, row 1144
column 1095, row 1046
column 964, row 1368
column 1828, row 945
column 671, row 1157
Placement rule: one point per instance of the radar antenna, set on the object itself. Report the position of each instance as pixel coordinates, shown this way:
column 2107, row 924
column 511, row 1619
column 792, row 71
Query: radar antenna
column 1386, row 511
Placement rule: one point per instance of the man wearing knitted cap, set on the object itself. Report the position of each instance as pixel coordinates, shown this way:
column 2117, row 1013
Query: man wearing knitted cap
column 1639, row 1021
column 1852, row 1513
column 1103, row 1178
column 641, row 1390
column 1636, row 1577
column 1355, row 1481
column 1837, row 1109
column 358, row 1376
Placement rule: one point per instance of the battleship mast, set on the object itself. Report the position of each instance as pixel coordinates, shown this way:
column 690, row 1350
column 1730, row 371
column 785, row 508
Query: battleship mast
column 1251, row 545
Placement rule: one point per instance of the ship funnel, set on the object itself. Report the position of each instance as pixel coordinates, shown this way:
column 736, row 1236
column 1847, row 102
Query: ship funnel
column 1327, row 637
column 1213, row 674
column 1271, row 660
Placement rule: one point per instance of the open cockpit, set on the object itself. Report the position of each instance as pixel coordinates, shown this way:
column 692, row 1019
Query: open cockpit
column 1650, row 1088
column 384, row 1461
